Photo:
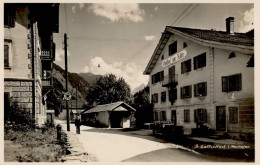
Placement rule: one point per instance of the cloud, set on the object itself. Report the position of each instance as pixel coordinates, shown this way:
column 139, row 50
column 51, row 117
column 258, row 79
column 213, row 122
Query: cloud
column 156, row 8
column 118, row 12
column 131, row 72
column 80, row 6
column 59, row 54
column 149, row 38
column 247, row 23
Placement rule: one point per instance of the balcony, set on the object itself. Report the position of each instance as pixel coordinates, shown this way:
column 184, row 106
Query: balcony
column 47, row 59
column 46, row 84
column 170, row 81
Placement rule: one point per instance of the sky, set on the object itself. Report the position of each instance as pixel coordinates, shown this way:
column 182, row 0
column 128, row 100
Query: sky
column 121, row 38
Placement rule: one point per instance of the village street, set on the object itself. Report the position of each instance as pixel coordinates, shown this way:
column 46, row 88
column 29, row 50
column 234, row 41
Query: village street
column 114, row 145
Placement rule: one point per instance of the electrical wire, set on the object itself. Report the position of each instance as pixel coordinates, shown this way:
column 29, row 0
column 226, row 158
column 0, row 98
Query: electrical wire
column 188, row 13
column 182, row 13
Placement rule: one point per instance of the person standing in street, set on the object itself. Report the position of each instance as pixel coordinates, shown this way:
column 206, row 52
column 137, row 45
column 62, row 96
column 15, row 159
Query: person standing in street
column 77, row 124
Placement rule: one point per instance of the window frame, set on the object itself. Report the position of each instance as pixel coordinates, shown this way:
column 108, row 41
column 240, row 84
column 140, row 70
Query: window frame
column 163, row 116
column 184, row 90
column 186, row 115
column 186, row 66
column 233, row 114
column 173, row 48
column 200, row 61
column 155, row 98
column 227, row 83
column 200, row 115
column 8, row 43
column 163, row 96
column 198, row 87
column 9, row 15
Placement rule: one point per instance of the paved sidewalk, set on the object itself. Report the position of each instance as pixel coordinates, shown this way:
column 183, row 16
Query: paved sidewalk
column 76, row 149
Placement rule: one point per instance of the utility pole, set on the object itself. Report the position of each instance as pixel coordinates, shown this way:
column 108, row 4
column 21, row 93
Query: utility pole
column 66, row 76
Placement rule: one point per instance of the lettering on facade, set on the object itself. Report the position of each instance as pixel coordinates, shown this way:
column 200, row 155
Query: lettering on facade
column 176, row 57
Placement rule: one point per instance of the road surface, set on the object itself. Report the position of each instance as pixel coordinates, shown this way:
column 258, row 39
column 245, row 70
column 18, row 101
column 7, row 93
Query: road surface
column 116, row 145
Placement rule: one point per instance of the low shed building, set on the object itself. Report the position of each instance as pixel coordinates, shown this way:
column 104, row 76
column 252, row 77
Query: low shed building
column 113, row 115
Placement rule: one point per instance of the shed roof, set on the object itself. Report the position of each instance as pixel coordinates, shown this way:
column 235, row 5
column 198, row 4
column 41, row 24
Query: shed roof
column 109, row 107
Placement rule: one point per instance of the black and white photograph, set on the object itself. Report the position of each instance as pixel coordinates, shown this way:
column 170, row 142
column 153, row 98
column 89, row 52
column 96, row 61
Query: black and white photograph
column 129, row 82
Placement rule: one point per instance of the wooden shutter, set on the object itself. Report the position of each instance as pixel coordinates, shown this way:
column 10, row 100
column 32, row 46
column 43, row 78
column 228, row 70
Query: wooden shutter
column 6, row 55
column 204, row 115
column 195, row 115
column 195, row 89
column 182, row 67
column 224, row 84
column 182, row 92
column 190, row 91
column 205, row 89
column 239, row 82
column 162, row 75
column 195, row 61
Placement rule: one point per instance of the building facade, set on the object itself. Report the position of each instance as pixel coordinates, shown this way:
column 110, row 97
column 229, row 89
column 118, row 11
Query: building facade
column 204, row 76
column 29, row 52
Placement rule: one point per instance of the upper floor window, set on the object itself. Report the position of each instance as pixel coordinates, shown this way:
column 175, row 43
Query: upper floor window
column 232, row 83
column 232, row 54
column 186, row 115
column 184, row 45
column 157, row 77
column 172, row 48
column 186, row 92
column 186, row 66
column 7, row 53
column 9, row 15
column 200, row 89
column 163, row 96
column 155, row 98
column 199, row 61
column 233, row 114
column 162, row 57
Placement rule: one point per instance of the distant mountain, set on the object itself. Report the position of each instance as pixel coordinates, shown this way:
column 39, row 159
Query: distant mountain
column 140, row 87
column 90, row 77
column 75, row 80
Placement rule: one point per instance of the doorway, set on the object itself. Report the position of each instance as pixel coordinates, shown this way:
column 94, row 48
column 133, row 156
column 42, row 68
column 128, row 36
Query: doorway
column 221, row 118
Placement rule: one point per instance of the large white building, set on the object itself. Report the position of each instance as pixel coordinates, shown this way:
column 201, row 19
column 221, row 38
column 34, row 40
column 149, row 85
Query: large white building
column 204, row 76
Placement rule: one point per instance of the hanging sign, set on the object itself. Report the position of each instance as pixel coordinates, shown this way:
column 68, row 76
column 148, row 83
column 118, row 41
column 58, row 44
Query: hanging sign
column 176, row 57
column 67, row 96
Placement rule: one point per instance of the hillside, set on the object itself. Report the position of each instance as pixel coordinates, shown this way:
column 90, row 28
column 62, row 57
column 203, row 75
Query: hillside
column 90, row 77
column 74, row 81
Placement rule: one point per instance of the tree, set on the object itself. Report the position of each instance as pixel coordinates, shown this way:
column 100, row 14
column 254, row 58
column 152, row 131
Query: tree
column 108, row 89
column 54, row 101
column 144, row 109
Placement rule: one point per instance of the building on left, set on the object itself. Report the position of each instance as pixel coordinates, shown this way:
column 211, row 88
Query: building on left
column 29, row 52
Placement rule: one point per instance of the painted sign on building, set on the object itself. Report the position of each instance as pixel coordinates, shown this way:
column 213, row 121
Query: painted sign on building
column 176, row 57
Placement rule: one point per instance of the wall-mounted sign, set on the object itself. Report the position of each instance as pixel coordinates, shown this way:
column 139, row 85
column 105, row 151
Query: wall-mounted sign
column 176, row 57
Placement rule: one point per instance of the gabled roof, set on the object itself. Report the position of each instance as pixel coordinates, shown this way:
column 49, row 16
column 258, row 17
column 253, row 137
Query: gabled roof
column 211, row 37
column 108, row 107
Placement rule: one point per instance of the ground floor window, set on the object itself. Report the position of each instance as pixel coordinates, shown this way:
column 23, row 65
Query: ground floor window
column 233, row 114
column 200, row 115
column 155, row 115
column 186, row 115
column 163, row 115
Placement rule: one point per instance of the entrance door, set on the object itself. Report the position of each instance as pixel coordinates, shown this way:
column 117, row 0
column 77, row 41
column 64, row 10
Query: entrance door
column 221, row 118
column 174, row 117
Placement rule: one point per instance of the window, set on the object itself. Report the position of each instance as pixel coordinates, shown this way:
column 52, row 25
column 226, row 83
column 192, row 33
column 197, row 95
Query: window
column 163, row 96
column 199, row 61
column 200, row 89
column 159, row 76
column 155, row 116
column 232, row 54
column 9, row 15
column 172, row 48
column 163, row 115
column 232, row 83
column 162, row 57
column 7, row 53
column 173, row 95
column 200, row 115
column 186, row 66
column 155, row 98
column 233, row 114
column 184, row 45
column 186, row 92
column 186, row 115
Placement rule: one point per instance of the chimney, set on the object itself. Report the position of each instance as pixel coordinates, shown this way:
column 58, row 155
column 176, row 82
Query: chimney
column 230, row 25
